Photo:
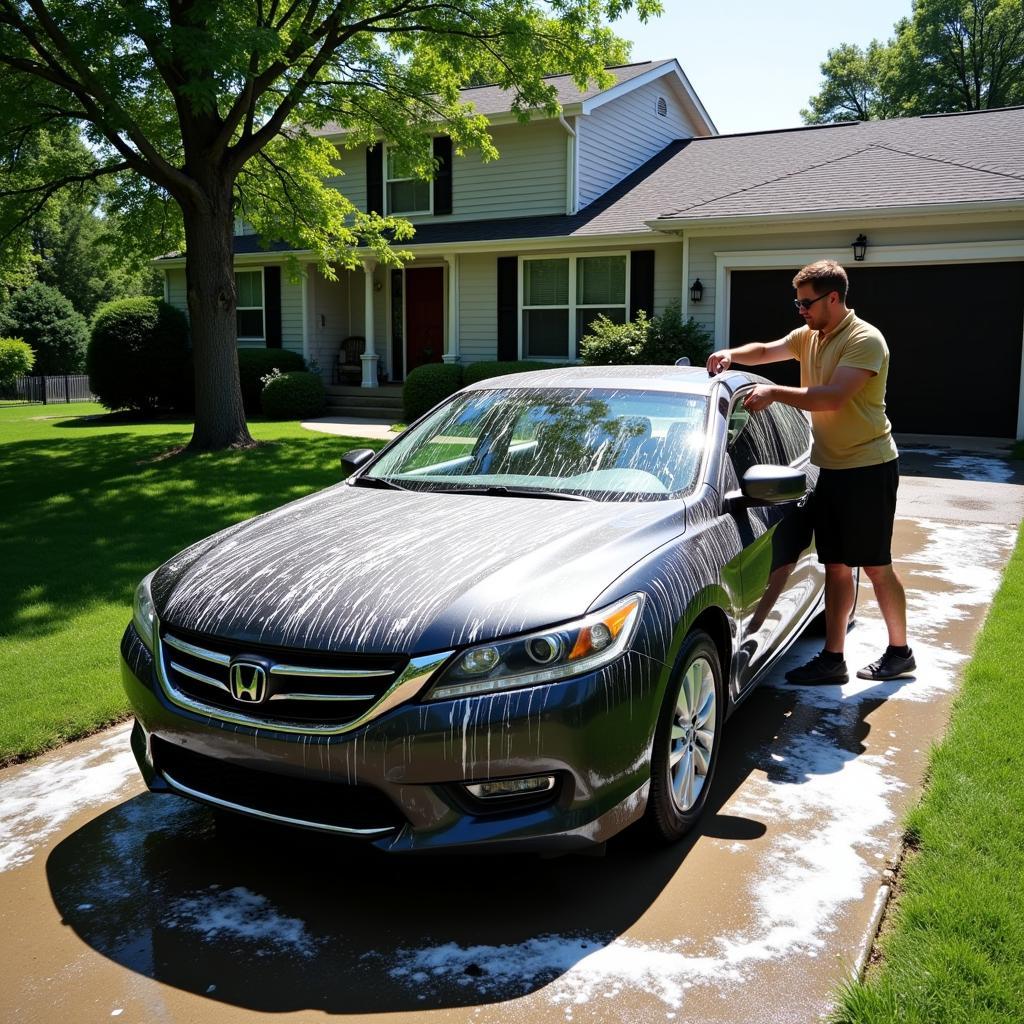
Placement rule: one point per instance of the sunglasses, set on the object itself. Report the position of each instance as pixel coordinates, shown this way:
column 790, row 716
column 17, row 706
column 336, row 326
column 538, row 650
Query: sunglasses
column 807, row 303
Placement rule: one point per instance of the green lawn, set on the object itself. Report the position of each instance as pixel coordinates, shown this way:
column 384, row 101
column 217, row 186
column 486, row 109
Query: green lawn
column 89, row 507
column 953, row 951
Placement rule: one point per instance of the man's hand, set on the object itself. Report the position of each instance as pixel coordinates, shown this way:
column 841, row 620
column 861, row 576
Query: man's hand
column 760, row 398
column 719, row 361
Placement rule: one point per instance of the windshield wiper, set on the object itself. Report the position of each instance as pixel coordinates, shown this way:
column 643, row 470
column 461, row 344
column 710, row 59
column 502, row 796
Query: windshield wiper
column 381, row 482
column 501, row 491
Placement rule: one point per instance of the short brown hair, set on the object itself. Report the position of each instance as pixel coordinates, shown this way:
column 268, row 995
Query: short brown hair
column 824, row 276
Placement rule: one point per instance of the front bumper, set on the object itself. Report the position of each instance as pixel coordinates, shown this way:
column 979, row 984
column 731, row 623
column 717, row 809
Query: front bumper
column 398, row 782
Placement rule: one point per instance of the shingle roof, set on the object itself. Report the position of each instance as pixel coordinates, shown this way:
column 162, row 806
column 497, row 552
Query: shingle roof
column 491, row 100
column 956, row 158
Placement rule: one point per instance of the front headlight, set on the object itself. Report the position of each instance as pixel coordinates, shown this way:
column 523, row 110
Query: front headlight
column 144, row 614
column 543, row 657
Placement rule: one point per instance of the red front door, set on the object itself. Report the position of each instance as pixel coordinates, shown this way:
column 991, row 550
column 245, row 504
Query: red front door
column 424, row 316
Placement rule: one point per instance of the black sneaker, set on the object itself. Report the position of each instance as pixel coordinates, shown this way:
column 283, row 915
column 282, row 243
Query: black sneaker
column 819, row 670
column 890, row 665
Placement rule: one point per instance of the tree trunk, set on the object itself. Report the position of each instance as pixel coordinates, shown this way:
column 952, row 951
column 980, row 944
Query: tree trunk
column 210, row 279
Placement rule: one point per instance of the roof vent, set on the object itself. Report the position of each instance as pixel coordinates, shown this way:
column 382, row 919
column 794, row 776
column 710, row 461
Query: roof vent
column 662, row 107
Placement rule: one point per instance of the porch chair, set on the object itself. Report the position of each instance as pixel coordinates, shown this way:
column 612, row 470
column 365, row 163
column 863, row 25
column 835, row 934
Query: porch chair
column 348, row 369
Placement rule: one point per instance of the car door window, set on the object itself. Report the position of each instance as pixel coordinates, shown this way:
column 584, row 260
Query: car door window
column 794, row 430
column 753, row 440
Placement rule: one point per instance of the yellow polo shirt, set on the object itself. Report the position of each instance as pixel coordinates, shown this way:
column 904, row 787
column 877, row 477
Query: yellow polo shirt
column 858, row 434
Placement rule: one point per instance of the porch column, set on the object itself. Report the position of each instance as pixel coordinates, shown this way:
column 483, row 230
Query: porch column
column 451, row 339
column 369, row 356
column 308, row 271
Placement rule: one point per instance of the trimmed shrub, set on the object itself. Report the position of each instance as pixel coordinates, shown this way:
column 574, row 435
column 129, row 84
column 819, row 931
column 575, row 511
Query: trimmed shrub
column 483, row 371
column 428, row 385
column 293, row 396
column 138, row 354
column 47, row 321
column 16, row 360
column 659, row 341
column 254, row 364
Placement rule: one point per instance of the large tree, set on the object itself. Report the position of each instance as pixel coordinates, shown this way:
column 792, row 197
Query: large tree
column 201, row 111
column 950, row 55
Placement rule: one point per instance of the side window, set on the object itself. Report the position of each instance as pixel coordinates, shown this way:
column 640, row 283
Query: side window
column 794, row 430
column 753, row 440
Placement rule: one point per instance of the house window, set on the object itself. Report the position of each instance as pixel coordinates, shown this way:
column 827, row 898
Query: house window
column 249, row 311
column 563, row 297
column 405, row 194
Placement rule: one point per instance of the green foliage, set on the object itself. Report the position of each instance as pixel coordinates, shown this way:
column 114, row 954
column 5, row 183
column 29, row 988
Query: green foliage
column 138, row 355
column 616, row 51
column 16, row 359
column 47, row 321
column 951, row 55
column 428, row 385
column 255, row 363
column 196, row 113
column 293, row 396
column 660, row 340
column 101, row 494
column 482, row 371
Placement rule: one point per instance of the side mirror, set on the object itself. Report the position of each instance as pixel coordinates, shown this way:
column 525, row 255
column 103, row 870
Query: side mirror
column 768, row 485
column 352, row 460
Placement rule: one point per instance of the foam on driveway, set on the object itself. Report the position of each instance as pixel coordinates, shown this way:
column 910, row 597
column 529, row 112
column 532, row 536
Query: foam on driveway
column 744, row 925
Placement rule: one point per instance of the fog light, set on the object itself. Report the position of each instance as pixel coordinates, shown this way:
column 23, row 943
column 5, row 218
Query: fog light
column 511, row 787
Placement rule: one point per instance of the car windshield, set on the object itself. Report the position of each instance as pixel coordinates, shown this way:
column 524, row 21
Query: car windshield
column 590, row 443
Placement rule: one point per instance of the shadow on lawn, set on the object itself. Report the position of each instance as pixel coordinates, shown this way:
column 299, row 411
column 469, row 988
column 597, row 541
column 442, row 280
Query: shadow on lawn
column 90, row 516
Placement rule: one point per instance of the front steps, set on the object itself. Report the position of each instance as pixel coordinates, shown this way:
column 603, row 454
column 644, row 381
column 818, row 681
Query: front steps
column 383, row 403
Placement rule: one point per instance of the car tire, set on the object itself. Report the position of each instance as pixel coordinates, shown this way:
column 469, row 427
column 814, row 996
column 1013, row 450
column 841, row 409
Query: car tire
column 687, row 740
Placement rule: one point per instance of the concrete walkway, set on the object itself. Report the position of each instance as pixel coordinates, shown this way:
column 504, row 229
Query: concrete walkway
column 351, row 426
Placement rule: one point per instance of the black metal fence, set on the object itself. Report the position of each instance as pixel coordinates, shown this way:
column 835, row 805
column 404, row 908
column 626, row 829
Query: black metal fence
column 56, row 390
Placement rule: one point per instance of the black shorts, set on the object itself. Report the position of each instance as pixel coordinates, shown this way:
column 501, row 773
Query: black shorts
column 853, row 513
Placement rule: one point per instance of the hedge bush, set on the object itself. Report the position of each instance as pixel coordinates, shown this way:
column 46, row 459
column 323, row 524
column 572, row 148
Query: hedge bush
column 483, row 371
column 660, row 340
column 294, row 396
column 138, row 355
column 16, row 359
column 49, row 324
column 254, row 364
column 427, row 385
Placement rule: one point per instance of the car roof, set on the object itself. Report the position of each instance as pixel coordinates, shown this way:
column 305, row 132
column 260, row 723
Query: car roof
column 690, row 380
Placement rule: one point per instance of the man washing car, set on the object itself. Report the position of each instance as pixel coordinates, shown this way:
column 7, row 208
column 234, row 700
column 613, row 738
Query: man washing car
column 844, row 363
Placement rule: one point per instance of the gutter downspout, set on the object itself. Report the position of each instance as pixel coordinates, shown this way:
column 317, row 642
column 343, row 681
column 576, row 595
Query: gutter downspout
column 571, row 162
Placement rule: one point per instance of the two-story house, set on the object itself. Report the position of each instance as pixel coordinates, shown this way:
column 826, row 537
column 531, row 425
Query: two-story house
column 631, row 200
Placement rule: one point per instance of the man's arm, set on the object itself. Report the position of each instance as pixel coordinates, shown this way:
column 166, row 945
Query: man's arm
column 754, row 354
column 844, row 384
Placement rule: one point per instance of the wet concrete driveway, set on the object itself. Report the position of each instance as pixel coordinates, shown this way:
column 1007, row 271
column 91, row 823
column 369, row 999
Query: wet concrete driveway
column 118, row 904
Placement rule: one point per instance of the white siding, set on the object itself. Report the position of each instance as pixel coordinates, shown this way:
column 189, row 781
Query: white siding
column 478, row 308
column 624, row 133
column 176, row 294
column 668, row 270
column 291, row 312
column 351, row 181
column 528, row 178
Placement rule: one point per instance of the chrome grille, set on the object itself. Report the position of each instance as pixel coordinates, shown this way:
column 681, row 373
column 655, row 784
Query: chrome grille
column 305, row 691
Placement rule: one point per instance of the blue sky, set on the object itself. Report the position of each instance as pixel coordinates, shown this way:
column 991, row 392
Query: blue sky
column 755, row 64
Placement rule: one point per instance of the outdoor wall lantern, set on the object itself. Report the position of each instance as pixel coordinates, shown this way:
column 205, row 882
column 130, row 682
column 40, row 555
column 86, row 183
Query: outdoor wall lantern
column 860, row 246
column 696, row 291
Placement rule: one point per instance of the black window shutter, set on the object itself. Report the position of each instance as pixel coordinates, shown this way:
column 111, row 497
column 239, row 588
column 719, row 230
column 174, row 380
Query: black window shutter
column 375, row 179
column 443, row 174
column 272, row 305
column 641, row 282
column 508, row 308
